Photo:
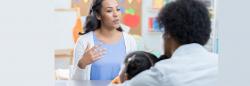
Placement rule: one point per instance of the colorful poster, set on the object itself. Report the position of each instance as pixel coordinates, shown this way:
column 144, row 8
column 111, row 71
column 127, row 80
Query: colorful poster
column 131, row 20
column 153, row 25
column 131, row 15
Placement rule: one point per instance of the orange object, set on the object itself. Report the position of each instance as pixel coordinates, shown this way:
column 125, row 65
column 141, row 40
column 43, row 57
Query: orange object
column 117, row 80
column 78, row 28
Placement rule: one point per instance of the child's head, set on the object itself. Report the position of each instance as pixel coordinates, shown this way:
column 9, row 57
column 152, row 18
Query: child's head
column 137, row 62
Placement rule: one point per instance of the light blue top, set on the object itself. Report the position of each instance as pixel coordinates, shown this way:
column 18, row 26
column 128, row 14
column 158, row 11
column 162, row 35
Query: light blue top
column 108, row 67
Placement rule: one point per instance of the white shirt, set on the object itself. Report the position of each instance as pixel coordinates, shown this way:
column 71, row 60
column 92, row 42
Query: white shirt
column 190, row 65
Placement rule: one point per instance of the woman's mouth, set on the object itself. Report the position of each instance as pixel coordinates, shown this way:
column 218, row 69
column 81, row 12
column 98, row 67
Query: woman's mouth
column 116, row 21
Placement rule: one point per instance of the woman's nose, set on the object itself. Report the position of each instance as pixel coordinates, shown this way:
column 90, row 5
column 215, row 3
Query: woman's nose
column 116, row 13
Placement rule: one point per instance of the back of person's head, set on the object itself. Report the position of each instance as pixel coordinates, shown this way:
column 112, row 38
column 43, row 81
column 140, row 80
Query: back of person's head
column 92, row 23
column 187, row 21
column 137, row 62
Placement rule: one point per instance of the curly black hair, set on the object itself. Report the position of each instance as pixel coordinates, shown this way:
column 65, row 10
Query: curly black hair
column 187, row 21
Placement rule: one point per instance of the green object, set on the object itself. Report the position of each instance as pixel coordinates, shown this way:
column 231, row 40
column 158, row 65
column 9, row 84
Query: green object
column 157, row 53
column 130, row 11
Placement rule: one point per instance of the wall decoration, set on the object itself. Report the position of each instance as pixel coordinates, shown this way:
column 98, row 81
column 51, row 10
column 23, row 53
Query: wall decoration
column 153, row 25
column 131, row 20
column 130, row 11
column 132, row 15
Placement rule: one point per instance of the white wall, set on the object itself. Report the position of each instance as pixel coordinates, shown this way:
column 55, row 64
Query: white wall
column 26, row 40
column 64, row 22
column 63, row 32
column 152, row 40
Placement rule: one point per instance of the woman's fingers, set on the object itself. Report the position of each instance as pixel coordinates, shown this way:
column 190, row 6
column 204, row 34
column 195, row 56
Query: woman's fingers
column 99, row 53
column 89, row 48
column 92, row 54
column 95, row 48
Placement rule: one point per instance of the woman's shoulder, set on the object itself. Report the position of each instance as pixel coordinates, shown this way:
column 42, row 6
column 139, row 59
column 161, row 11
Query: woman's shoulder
column 86, row 36
column 127, row 35
column 130, row 39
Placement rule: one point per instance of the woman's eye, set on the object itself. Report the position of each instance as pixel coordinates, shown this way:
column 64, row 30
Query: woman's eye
column 109, row 10
column 118, row 9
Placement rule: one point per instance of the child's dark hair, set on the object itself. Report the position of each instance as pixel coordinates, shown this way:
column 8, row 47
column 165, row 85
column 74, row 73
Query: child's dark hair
column 137, row 62
column 92, row 23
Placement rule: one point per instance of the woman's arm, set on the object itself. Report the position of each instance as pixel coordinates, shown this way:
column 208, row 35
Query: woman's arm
column 78, row 73
column 84, row 56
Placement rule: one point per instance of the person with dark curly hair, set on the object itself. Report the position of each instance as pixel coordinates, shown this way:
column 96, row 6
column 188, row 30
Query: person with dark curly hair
column 185, row 62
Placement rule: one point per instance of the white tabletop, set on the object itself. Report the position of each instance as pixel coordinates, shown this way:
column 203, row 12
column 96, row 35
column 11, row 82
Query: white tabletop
column 82, row 83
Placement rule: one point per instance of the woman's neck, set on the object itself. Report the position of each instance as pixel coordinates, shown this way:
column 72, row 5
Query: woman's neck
column 107, row 32
column 107, row 35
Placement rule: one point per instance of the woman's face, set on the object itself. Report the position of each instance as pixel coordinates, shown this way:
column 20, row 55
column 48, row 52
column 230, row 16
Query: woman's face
column 110, row 14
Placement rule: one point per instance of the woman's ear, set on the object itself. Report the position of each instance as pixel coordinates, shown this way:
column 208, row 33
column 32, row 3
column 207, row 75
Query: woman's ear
column 98, row 17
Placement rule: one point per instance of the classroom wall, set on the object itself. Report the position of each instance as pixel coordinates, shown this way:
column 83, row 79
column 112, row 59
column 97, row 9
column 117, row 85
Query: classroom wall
column 64, row 19
column 26, row 40
column 153, row 40
column 64, row 22
column 63, row 31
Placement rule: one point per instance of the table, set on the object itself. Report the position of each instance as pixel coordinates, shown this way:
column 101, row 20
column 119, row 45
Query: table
column 82, row 82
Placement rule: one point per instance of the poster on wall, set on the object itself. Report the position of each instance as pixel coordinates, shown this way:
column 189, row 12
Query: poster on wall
column 131, row 14
column 153, row 25
column 156, row 5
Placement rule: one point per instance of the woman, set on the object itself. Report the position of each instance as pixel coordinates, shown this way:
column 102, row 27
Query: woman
column 99, row 53
column 185, row 62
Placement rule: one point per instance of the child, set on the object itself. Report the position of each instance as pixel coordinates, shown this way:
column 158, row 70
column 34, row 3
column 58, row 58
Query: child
column 135, row 63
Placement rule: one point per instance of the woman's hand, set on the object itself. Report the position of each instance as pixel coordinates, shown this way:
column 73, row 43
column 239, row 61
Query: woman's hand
column 91, row 55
